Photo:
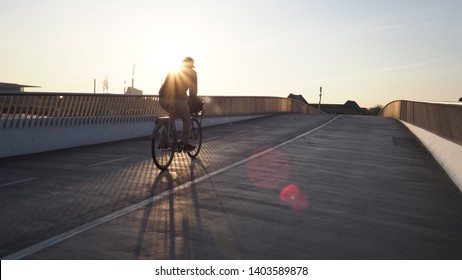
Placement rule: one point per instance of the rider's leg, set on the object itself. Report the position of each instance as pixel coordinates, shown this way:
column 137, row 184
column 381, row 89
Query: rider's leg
column 182, row 110
column 164, row 104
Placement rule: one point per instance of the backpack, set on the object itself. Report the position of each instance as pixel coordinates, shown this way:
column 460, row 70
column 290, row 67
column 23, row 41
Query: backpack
column 163, row 88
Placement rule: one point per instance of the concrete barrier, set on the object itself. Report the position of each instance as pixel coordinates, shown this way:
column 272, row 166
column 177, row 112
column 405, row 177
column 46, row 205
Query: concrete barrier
column 441, row 118
column 21, row 141
column 438, row 125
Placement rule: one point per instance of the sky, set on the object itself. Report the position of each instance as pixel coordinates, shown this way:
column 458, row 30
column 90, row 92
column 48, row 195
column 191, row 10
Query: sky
column 369, row 51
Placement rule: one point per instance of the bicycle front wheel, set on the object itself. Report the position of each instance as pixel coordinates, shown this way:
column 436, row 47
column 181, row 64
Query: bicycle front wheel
column 195, row 137
column 162, row 152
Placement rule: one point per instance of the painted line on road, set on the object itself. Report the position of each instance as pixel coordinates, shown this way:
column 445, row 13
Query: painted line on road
column 241, row 131
column 109, row 161
column 212, row 138
column 17, row 182
column 80, row 229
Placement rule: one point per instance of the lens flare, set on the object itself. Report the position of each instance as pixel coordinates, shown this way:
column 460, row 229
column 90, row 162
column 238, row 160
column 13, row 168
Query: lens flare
column 301, row 202
column 291, row 194
column 269, row 170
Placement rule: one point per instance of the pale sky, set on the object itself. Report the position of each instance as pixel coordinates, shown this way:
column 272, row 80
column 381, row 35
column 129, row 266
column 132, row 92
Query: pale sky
column 369, row 51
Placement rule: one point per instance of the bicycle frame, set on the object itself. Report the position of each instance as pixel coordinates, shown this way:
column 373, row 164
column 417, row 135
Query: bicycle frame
column 170, row 125
column 163, row 152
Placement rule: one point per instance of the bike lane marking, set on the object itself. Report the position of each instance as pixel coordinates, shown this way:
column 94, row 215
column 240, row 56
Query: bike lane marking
column 211, row 139
column 80, row 229
column 17, row 182
column 109, row 161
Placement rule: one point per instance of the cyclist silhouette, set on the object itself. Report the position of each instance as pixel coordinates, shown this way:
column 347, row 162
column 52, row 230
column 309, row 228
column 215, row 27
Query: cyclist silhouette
column 173, row 96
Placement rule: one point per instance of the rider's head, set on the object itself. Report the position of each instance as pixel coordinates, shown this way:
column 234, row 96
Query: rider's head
column 188, row 62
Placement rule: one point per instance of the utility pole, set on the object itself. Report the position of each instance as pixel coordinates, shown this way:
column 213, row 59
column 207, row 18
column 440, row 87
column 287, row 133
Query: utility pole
column 320, row 96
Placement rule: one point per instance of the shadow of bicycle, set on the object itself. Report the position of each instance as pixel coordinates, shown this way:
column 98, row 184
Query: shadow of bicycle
column 178, row 226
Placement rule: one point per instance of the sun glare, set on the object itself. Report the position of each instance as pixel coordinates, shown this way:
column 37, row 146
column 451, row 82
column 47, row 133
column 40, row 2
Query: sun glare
column 169, row 60
column 170, row 64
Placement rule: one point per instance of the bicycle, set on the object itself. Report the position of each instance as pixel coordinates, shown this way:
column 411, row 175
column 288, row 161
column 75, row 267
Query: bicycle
column 164, row 141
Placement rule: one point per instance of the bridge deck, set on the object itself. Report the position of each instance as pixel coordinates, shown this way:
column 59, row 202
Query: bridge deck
column 355, row 188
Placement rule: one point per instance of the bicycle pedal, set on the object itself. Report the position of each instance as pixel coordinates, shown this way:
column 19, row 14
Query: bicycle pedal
column 179, row 147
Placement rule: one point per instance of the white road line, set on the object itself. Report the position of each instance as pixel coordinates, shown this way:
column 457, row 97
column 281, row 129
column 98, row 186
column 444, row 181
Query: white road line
column 17, row 182
column 66, row 235
column 104, row 162
column 211, row 139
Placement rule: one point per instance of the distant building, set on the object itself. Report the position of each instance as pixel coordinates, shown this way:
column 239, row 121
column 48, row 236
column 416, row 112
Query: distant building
column 298, row 97
column 350, row 108
column 132, row 90
column 13, row 87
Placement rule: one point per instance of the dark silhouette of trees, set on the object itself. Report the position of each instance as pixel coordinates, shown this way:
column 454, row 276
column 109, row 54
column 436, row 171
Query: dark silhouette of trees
column 374, row 111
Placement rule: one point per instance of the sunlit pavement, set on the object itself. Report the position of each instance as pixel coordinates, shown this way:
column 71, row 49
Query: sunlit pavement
column 356, row 188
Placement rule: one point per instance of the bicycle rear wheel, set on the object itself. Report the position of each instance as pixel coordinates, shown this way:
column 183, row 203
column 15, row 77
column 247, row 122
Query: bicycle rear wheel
column 195, row 137
column 162, row 152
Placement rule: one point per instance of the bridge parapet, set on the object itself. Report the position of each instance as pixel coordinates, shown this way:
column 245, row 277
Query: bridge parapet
column 438, row 125
column 37, row 122
column 441, row 118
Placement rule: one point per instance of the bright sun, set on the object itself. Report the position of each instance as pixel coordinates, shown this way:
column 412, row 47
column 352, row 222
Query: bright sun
column 170, row 60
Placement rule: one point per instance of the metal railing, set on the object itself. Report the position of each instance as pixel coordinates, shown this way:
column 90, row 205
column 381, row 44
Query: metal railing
column 38, row 122
column 441, row 118
column 58, row 109
column 22, row 110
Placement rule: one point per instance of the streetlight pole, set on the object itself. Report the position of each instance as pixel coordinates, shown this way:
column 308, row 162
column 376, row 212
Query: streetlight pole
column 320, row 95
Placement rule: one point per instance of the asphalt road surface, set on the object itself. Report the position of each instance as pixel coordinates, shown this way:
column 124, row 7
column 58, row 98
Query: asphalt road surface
column 287, row 186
